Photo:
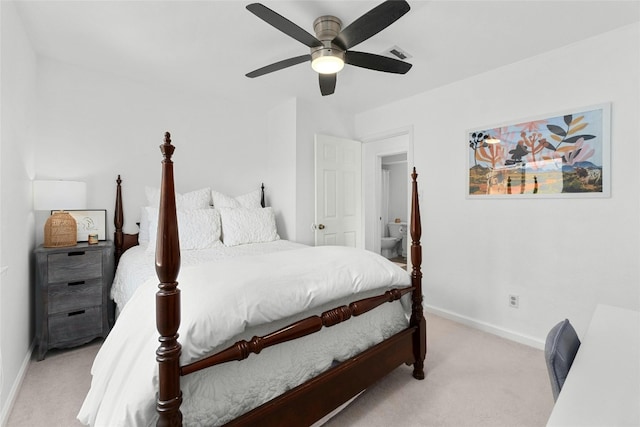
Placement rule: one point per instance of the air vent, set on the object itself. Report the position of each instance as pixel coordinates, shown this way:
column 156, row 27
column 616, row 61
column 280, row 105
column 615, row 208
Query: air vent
column 397, row 52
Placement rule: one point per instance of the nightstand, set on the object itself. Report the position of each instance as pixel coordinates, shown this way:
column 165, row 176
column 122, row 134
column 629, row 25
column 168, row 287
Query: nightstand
column 72, row 294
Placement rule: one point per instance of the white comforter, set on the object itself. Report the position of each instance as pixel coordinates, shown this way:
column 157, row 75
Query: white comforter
column 234, row 299
column 137, row 264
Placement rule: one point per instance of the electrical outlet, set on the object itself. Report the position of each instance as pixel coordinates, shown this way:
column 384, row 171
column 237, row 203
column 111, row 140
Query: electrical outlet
column 514, row 301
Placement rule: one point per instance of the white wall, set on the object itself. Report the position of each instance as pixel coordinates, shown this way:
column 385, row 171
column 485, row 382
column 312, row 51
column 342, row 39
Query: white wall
column 93, row 126
column 561, row 257
column 282, row 170
column 17, row 87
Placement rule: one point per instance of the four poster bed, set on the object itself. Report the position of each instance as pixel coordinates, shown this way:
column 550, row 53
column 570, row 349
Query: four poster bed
column 251, row 339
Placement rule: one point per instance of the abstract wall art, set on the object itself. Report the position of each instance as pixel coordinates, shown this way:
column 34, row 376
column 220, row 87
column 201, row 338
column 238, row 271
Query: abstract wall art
column 562, row 155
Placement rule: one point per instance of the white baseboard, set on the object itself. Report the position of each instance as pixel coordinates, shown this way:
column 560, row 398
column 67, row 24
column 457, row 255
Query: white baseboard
column 13, row 393
column 487, row 327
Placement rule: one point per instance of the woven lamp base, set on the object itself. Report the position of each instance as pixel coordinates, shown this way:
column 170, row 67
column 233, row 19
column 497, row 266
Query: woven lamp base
column 60, row 231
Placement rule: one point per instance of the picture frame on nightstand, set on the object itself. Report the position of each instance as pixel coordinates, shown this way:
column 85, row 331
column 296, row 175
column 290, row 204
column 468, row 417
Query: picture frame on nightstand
column 92, row 221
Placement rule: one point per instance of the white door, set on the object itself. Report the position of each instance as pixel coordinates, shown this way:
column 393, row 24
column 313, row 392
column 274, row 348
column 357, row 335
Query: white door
column 338, row 178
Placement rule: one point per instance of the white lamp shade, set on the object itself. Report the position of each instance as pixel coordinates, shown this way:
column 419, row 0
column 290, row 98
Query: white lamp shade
column 59, row 195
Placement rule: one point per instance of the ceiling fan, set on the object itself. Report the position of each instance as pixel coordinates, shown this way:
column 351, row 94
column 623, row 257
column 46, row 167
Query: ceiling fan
column 330, row 47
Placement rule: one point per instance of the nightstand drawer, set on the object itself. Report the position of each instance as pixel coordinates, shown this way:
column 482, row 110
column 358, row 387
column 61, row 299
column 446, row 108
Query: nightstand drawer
column 74, row 265
column 72, row 295
column 74, row 325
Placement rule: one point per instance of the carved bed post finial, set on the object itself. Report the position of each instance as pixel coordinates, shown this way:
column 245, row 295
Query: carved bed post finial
column 168, row 296
column 118, row 221
column 417, row 313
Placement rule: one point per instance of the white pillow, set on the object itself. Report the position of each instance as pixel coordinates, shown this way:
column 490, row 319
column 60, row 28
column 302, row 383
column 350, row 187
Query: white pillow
column 143, row 232
column 197, row 199
column 244, row 225
column 250, row 200
column 197, row 228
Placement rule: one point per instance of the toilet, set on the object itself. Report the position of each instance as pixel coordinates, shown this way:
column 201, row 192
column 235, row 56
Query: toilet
column 403, row 243
column 390, row 247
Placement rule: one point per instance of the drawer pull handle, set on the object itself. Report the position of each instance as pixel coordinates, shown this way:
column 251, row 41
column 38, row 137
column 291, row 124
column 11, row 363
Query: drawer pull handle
column 75, row 283
column 75, row 313
column 77, row 253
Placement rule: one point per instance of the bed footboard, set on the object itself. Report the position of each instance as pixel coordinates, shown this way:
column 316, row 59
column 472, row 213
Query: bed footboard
column 311, row 401
column 242, row 349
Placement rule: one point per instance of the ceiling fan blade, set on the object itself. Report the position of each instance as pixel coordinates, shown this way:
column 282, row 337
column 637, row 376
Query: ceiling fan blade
column 279, row 65
column 283, row 24
column 327, row 83
column 371, row 23
column 376, row 62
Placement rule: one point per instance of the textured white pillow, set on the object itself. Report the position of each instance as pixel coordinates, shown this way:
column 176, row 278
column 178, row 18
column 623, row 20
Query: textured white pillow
column 197, row 228
column 249, row 200
column 197, row 199
column 244, row 225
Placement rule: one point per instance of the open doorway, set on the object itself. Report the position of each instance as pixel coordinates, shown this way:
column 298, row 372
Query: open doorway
column 392, row 152
column 394, row 202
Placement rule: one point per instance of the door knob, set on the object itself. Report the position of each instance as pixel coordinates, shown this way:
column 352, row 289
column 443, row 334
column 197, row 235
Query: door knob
column 318, row 226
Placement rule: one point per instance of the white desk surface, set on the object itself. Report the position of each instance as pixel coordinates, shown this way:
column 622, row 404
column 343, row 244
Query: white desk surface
column 603, row 385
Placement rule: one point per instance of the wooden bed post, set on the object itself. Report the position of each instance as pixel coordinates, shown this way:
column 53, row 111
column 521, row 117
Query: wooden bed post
column 168, row 297
column 122, row 241
column 417, row 313
column 118, row 221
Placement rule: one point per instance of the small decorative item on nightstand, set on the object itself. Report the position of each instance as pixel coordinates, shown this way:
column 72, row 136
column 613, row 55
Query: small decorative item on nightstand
column 60, row 228
column 72, row 294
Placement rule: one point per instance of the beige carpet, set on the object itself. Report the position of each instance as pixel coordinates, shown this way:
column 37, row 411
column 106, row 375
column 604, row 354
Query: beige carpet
column 53, row 389
column 473, row 379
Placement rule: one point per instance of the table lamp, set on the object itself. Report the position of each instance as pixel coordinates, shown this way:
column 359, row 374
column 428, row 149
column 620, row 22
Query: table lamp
column 61, row 229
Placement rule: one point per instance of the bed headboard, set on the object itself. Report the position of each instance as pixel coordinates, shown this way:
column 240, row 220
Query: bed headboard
column 122, row 241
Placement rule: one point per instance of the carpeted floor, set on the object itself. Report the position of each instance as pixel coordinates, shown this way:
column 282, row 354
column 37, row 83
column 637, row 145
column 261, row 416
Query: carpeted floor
column 473, row 379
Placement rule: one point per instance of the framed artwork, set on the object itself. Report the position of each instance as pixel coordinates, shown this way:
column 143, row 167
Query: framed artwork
column 560, row 156
column 90, row 222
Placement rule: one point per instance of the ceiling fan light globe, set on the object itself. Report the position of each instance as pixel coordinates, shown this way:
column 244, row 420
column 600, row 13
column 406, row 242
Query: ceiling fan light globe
column 327, row 64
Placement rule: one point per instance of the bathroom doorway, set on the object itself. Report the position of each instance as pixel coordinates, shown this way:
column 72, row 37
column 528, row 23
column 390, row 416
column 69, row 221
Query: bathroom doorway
column 394, row 202
column 391, row 151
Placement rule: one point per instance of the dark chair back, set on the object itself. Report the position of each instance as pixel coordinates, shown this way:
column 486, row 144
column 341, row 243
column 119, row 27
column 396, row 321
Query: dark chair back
column 559, row 351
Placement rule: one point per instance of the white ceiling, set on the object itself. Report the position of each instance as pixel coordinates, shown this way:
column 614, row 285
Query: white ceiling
column 210, row 45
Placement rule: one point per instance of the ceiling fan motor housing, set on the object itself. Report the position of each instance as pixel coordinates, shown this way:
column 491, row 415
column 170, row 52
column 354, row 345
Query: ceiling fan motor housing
column 327, row 28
